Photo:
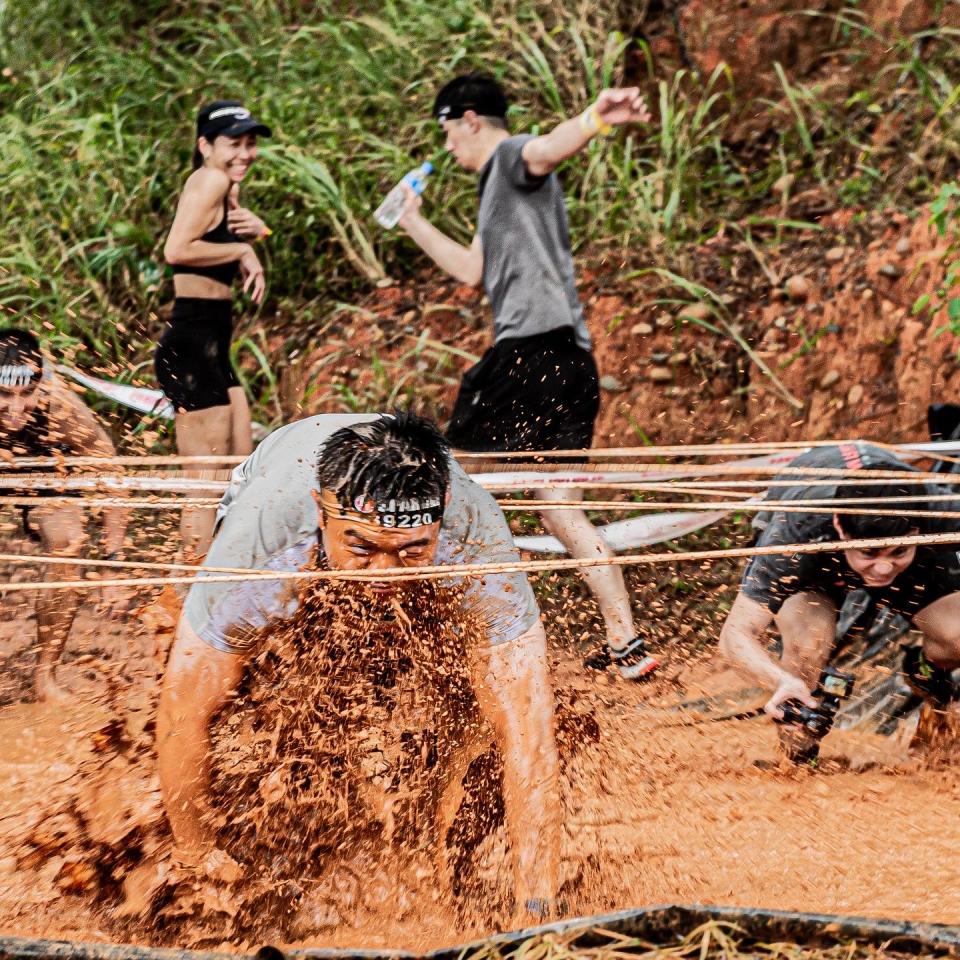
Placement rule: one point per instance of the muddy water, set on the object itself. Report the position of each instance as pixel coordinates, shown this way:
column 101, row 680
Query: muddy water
column 653, row 813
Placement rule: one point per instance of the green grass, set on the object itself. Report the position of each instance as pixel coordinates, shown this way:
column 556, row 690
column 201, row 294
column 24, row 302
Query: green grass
column 97, row 103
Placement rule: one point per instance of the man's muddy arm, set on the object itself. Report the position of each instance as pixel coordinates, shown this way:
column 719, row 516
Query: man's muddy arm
column 197, row 682
column 741, row 644
column 513, row 688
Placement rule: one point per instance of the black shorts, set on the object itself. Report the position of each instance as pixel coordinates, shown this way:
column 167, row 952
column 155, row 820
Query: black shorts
column 192, row 361
column 528, row 393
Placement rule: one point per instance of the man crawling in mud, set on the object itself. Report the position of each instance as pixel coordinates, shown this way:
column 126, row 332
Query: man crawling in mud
column 804, row 593
column 41, row 417
column 358, row 493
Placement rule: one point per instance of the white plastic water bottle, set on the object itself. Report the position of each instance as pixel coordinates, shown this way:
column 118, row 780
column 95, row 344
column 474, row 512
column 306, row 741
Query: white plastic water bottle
column 390, row 211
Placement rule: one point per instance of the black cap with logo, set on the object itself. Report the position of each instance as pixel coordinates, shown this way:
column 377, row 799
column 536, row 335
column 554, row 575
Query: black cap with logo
column 479, row 92
column 228, row 118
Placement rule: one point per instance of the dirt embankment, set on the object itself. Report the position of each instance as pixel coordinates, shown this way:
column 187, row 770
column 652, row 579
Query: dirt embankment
column 828, row 310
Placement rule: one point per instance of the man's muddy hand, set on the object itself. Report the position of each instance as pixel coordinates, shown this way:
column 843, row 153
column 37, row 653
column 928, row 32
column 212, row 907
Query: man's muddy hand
column 791, row 688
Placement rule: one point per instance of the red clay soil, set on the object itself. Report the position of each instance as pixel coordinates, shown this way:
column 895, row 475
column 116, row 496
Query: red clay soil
column 844, row 345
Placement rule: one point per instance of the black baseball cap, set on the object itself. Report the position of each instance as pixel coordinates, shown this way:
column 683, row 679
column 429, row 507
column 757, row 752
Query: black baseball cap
column 228, row 118
column 473, row 91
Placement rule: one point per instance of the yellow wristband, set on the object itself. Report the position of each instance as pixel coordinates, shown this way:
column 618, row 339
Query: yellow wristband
column 591, row 122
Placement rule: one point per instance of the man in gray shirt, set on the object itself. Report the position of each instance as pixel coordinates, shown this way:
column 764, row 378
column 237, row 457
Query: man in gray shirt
column 362, row 493
column 537, row 388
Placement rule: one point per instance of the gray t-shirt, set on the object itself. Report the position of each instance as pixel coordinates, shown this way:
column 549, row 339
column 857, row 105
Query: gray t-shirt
column 527, row 265
column 267, row 519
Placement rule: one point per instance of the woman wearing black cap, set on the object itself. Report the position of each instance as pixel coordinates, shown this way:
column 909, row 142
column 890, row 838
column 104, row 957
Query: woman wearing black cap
column 209, row 244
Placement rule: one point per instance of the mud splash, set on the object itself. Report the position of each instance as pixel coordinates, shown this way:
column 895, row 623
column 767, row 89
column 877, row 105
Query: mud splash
column 651, row 813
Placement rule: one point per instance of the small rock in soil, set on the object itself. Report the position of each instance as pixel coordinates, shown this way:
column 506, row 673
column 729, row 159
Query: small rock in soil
column 695, row 311
column 783, row 184
column 659, row 356
column 890, row 270
column 641, row 329
column 903, row 247
column 855, row 395
column 664, row 321
column 829, row 379
column 679, row 357
column 660, row 374
column 611, row 383
column 797, row 287
column 835, row 254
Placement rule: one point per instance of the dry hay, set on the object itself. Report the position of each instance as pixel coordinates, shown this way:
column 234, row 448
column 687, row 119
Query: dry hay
column 712, row 940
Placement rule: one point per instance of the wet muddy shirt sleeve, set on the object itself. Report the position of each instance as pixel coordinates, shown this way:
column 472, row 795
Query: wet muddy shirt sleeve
column 770, row 580
column 231, row 616
column 476, row 531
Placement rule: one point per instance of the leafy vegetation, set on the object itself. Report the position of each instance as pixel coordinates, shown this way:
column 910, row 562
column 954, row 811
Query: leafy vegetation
column 97, row 103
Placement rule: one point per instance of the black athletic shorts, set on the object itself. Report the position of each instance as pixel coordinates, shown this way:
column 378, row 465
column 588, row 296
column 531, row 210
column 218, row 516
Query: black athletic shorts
column 528, row 393
column 193, row 358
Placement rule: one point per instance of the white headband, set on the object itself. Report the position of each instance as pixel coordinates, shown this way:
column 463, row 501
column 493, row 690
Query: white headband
column 16, row 375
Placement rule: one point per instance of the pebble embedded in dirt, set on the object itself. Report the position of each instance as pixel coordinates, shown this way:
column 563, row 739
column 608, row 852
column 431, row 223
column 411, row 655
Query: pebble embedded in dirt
column 829, row 379
column 783, row 184
column 641, row 329
column 660, row 374
column 835, row 254
column 610, row 383
column 855, row 395
column 679, row 357
column 890, row 270
column 797, row 287
column 695, row 311
column 663, row 321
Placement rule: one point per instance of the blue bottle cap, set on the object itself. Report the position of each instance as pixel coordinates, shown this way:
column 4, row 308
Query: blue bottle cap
column 427, row 167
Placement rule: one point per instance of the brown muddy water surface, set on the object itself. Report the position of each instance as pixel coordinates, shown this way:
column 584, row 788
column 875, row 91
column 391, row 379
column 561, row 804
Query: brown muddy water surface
column 653, row 813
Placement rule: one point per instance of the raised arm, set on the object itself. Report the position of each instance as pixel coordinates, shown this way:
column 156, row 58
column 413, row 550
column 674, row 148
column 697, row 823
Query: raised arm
column 613, row 108
column 197, row 682
column 513, row 689
column 741, row 643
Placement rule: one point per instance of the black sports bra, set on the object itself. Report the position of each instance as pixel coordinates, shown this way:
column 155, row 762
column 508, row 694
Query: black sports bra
column 224, row 273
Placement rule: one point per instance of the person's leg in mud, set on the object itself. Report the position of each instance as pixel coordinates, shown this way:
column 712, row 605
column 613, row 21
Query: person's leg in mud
column 939, row 622
column 241, row 427
column 221, row 430
column 207, row 432
column 63, row 533
column 582, row 540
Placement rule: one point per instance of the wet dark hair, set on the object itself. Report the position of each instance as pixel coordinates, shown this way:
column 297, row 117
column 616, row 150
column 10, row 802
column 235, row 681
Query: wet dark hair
column 477, row 91
column 862, row 525
column 399, row 456
column 19, row 347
